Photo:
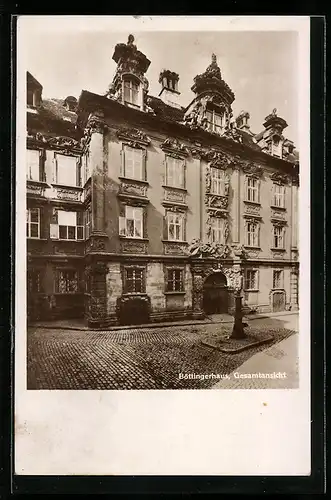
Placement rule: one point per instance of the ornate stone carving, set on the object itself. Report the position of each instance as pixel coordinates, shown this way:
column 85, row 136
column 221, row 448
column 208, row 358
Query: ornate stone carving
column 175, row 147
column 175, row 196
column 133, row 188
column 197, row 248
column 95, row 244
column 59, row 143
column 175, row 248
column 278, row 255
column 252, row 169
column 209, row 229
column 277, row 215
column 252, row 209
column 239, row 251
column 217, row 159
column 135, row 136
column 96, row 124
column 35, row 189
column 234, row 277
column 279, row 178
column 216, row 201
column 131, row 246
column 68, row 194
column 252, row 254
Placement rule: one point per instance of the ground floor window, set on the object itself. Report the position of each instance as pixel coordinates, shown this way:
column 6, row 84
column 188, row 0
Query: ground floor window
column 34, row 281
column 277, row 279
column 175, row 281
column 134, row 280
column 67, row 281
column 33, row 223
column 251, row 279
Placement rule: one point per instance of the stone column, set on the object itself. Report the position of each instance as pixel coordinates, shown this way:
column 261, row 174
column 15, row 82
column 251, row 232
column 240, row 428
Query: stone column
column 97, row 158
column 294, row 289
column 197, row 296
column 97, row 315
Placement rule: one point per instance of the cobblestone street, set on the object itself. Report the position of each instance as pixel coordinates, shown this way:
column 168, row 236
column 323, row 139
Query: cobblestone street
column 137, row 358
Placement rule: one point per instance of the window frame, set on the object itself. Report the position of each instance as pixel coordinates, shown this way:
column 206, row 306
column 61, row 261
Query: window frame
column 55, row 226
column 248, row 280
column 58, row 271
column 78, row 173
column 173, row 214
column 123, row 170
column 134, row 269
column 219, row 180
column 274, row 236
column 212, row 124
column 123, row 223
column 131, row 82
column 257, row 234
column 252, row 189
column 278, row 196
column 40, row 169
column 281, row 280
column 172, row 271
column 221, row 231
column 29, row 222
column 172, row 160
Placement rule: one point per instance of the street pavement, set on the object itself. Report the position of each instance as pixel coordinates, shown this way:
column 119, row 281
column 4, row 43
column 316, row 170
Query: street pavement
column 154, row 358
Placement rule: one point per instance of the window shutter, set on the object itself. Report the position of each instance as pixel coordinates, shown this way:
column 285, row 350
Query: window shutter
column 122, row 226
column 144, row 166
column 258, row 190
column 54, row 231
column 184, row 227
column 122, row 170
column 145, row 215
column 258, row 234
column 246, row 188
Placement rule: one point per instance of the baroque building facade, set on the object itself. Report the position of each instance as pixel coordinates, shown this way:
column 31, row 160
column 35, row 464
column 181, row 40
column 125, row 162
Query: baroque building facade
column 141, row 210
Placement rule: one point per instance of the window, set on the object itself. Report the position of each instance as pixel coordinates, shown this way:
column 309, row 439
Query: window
column 277, row 279
column 175, row 280
column 134, row 281
column 67, row 281
column 215, row 122
column 131, row 225
column 217, row 230
column 66, row 170
column 175, row 172
column 251, row 279
column 33, row 223
column 278, row 237
column 276, row 146
column 88, row 222
column 67, row 225
column 253, row 189
column 217, row 181
column 34, row 281
column 175, row 226
column 131, row 92
column 278, row 196
column 33, row 165
column 132, row 167
column 252, row 234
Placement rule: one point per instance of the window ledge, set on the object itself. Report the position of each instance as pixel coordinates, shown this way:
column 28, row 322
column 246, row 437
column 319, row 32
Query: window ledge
column 75, row 241
column 134, row 294
column 38, row 239
column 37, row 183
column 251, row 290
column 277, row 290
column 278, row 249
column 132, row 238
column 175, row 241
column 275, row 207
column 252, row 248
column 66, row 186
column 184, row 190
column 257, row 203
column 174, row 293
column 131, row 179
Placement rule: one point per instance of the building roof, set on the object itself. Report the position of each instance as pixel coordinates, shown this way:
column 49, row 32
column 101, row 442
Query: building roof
column 53, row 118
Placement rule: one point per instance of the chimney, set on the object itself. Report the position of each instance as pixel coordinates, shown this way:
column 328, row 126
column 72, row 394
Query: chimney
column 169, row 88
column 242, row 121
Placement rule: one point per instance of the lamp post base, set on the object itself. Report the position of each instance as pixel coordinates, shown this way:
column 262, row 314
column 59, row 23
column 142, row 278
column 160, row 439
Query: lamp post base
column 238, row 328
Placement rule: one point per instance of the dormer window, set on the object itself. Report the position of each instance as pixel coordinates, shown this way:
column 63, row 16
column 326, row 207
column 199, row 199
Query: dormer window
column 276, row 146
column 131, row 92
column 214, row 121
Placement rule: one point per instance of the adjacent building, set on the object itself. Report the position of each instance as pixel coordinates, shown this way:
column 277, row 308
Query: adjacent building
column 141, row 210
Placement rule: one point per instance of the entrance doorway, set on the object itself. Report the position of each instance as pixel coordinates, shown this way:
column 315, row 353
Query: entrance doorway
column 215, row 294
column 278, row 301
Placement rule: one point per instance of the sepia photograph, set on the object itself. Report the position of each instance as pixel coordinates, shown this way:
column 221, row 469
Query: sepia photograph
column 159, row 170
column 162, row 213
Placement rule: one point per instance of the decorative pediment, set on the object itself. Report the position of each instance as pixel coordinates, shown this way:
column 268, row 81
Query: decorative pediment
column 174, row 146
column 279, row 178
column 218, row 160
column 252, row 169
column 133, row 135
column 62, row 143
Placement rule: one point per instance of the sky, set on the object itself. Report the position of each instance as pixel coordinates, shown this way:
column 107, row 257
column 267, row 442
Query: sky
column 259, row 66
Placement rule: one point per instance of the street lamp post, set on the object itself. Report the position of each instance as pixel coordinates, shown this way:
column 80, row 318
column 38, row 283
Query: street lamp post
column 238, row 328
